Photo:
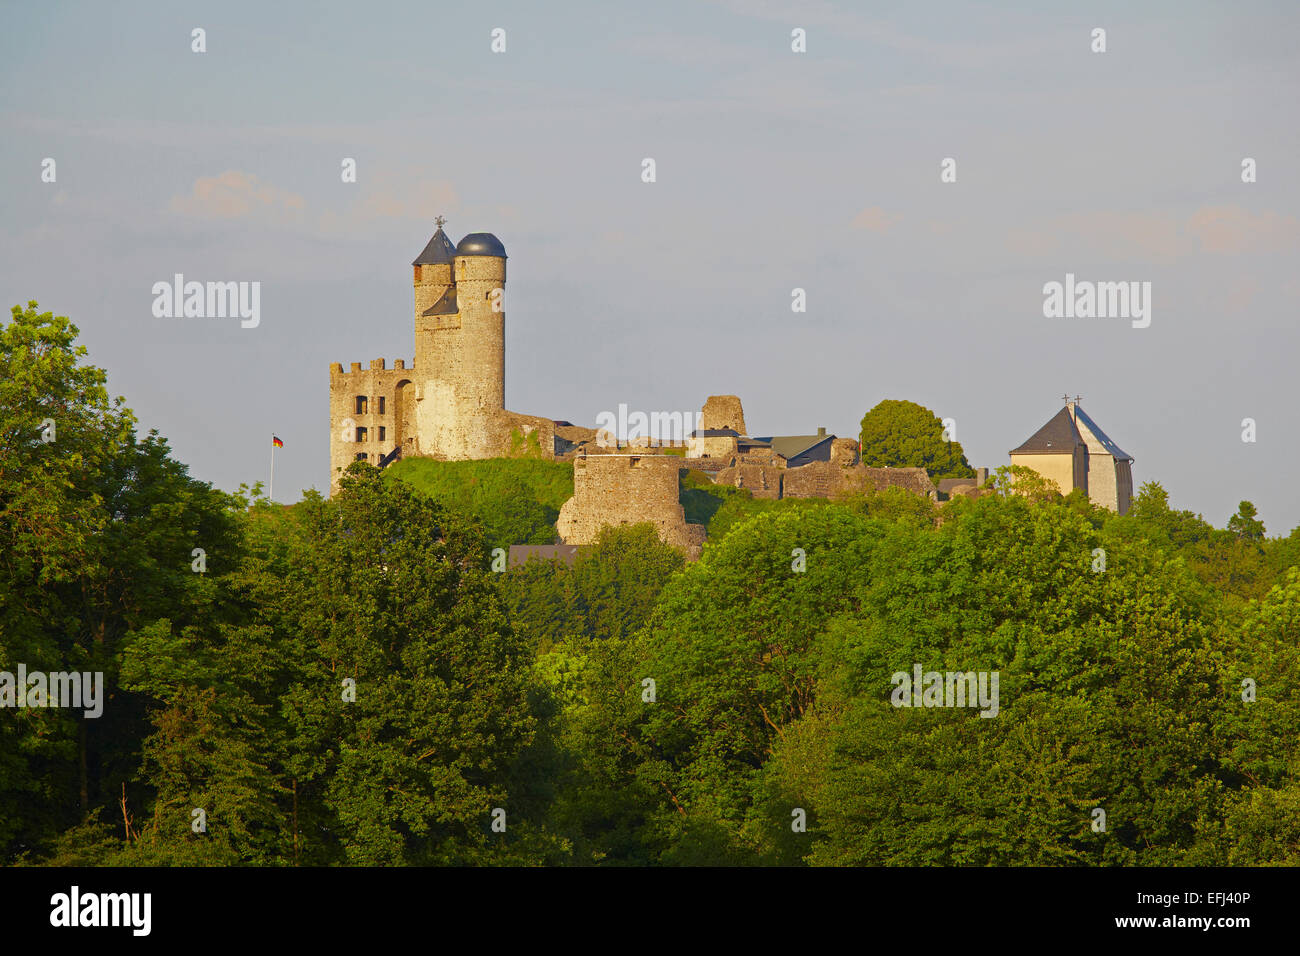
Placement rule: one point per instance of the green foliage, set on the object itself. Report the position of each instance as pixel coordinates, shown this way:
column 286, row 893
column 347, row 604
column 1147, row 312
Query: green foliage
column 515, row 500
column 1237, row 564
column 901, row 434
column 525, row 446
column 97, row 528
column 609, row 592
column 1245, row 524
column 632, row 709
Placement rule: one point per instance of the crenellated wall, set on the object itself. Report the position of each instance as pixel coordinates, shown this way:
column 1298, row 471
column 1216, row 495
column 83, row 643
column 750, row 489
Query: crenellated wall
column 388, row 406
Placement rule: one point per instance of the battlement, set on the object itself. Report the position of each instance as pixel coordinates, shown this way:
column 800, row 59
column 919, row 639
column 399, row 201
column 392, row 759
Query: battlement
column 376, row 365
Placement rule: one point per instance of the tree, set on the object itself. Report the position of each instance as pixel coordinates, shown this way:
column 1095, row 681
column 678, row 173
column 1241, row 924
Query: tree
column 97, row 531
column 901, row 434
column 1245, row 525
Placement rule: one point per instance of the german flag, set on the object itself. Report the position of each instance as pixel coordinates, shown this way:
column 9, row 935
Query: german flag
column 276, row 442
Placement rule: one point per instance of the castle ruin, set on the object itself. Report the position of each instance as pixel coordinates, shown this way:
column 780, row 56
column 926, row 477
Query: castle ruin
column 450, row 403
column 621, row 489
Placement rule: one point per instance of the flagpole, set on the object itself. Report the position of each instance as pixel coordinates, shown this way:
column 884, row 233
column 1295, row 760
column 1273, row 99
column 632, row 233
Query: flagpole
column 271, row 493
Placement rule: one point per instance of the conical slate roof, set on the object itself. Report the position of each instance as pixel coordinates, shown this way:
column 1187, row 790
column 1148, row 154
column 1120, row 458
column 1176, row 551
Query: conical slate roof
column 439, row 251
column 1058, row 436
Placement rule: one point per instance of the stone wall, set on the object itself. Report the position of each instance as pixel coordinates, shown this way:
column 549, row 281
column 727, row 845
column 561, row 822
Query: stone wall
column 760, row 479
column 621, row 489
column 723, row 411
column 460, row 393
column 844, row 452
column 721, row 446
column 382, row 388
column 1069, row 470
column 824, row 479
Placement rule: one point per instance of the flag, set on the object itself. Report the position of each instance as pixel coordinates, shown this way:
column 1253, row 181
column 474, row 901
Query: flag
column 276, row 442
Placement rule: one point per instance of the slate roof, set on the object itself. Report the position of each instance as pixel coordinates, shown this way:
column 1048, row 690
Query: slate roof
column 792, row 446
column 1058, row 436
column 446, row 304
column 438, row 252
column 1112, row 449
column 481, row 244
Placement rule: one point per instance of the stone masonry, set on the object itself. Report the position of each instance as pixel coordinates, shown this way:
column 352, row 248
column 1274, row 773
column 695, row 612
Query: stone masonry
column 723, row 411
column 450, row 402
column 623, row 489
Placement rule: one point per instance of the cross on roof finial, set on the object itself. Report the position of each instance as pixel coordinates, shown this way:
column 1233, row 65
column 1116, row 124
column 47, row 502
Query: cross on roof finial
column 438, row 221
column 1078, row 399
column 1066, row 398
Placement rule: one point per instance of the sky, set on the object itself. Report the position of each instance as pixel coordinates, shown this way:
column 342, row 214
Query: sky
column 774, row 170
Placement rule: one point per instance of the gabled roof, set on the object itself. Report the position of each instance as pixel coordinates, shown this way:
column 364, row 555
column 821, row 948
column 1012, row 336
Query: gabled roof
column 792, row 446
column 446, row 304
column 1111, row 448
column 438, row 252
column 1058, row 436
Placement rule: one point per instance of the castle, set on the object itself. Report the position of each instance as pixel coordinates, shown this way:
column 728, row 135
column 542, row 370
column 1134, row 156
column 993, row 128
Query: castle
column 449, row 404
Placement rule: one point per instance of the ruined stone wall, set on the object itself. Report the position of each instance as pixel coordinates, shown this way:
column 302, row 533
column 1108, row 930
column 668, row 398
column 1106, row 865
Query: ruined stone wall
column 614, row 489
column 844, row 452
column 723, row 411
column 723, row 446
column 375, row 383
column 825, row 479
column 761, row 480
column 529, row 429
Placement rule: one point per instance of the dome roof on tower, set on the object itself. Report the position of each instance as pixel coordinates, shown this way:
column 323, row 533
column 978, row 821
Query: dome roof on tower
column 438, row 252
column 481, row 244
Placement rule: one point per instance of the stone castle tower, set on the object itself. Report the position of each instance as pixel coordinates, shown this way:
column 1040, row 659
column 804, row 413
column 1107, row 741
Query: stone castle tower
column 460, row 345
column 450, row 404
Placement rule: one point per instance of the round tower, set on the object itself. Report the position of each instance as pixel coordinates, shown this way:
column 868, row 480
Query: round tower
column 460, row 346
column 480, row 277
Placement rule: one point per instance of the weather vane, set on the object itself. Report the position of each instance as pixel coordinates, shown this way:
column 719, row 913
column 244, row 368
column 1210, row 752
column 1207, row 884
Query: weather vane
column 438, row 221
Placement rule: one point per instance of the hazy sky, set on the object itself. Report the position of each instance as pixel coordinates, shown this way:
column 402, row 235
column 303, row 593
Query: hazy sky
column 775, row 170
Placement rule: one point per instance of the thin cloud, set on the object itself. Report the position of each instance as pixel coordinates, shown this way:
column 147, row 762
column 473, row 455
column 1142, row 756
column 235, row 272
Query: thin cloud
column 236, row 195
column 875, row 219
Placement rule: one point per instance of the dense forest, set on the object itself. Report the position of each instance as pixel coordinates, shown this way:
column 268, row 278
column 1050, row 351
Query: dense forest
column 348, row 681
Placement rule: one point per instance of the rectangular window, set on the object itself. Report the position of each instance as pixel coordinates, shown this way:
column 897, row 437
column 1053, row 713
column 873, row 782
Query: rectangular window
column 361, row 405
column 362, row 434
column 382, row 403
column 362, row 456
column 382, row 431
